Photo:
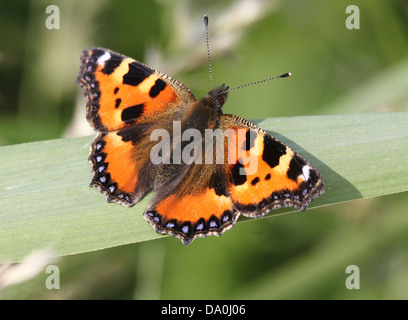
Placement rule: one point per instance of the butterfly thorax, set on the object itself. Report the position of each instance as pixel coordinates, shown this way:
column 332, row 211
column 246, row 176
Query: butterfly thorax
column 205, row 112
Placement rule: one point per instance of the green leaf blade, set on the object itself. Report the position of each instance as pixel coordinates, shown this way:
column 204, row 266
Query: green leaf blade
column 45, row 198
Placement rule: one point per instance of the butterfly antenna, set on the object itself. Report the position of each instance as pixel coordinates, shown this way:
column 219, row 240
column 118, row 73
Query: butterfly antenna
column 288, row 74
column 208, row 48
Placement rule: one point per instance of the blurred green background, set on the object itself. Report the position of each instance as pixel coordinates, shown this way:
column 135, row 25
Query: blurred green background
column 335, row 71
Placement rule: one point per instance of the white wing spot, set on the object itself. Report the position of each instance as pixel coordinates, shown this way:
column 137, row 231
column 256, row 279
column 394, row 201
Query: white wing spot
column 306, row 172
column 105, row 57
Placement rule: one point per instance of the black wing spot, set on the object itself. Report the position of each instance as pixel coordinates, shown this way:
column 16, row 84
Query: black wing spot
column 249, row 140
column 295, row 167
column 117, row 102
column 255, row 181
column 272, row 152
column 112, row 64
column 132, row 112
column 236, row 177
column 136, row 74
column 158, row 87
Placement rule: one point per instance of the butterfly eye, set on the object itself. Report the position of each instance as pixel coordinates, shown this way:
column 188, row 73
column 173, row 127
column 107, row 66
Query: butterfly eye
column 221, row 99
column 219, row 95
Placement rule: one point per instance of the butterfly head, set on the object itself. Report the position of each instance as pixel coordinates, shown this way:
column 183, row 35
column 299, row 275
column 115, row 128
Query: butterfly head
column 219, row 95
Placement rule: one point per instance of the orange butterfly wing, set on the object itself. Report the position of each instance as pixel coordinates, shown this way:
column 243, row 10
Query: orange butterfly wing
column 116, row 171
column 197, row 206
column 123, row 92
column 262, row 173
column 125, row 101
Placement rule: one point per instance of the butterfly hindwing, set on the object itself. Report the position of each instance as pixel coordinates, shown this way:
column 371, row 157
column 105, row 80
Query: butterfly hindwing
column 118, row 169
column 197, row 206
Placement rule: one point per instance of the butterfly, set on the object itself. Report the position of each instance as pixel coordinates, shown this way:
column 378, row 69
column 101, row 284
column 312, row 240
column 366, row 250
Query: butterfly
column 147, row 123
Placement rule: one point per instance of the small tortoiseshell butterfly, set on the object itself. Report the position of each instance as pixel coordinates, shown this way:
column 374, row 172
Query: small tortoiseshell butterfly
column 127, row 101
